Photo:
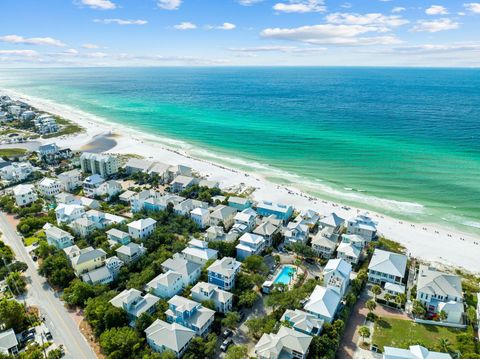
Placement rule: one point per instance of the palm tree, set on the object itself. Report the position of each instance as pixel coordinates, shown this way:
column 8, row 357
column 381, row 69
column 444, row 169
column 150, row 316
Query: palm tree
column 388, row 297
column 376, row 290
column 444, row 345
column 364, row 332
column 442, row 315
column 401, row 299
column 370, row 305
column 471, row 315
column 418, row 309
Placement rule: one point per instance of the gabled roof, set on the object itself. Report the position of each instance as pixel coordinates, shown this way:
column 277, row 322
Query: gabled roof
column 275, row 346
column 265, row 229
column 222, row 212
column 323, row 301
column 415, row 352
column 339, row 266
column 172, row 336
column 388, row 262
column 349, row 249
column 8, row 340
column 56, row 232
column 332, row 220
column 181, row 265
column 142, row 223
column 88, row 254
column 117, row 233
column 165, row 279
column 435, row 282
column 130, row 249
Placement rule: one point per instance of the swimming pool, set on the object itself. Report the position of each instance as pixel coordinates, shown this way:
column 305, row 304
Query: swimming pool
column 285, row 275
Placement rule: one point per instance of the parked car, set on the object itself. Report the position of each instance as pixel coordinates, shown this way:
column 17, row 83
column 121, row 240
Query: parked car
column 226, row 343
column 227, row 333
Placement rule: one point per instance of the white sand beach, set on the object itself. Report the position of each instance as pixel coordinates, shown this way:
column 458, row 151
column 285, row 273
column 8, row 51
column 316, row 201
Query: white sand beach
column 425, row 241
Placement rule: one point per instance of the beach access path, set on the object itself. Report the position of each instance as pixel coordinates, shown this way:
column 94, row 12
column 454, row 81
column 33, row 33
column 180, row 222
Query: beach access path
column 64, row 330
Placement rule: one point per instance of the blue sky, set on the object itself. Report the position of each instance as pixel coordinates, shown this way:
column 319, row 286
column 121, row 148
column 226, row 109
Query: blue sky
column 48, row 33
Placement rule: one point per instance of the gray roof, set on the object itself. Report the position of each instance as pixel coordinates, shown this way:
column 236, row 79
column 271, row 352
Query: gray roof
column 88, row 254
column 117, row 233
column 388, row 262
column 181, row 265
column 130, row 249
column 134, row 302
column 278, row 345
column 438, row 283
column 172, row 336
column 414, row 352
column 225, row 266
column 165, row 280
column 332, row 220
column 8, row 340
column 303, row 321
column 323, row 301
column 199, row 318
column 97, row 275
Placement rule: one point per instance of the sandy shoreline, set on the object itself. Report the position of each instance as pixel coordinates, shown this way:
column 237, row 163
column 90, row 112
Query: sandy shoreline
column 426, row 241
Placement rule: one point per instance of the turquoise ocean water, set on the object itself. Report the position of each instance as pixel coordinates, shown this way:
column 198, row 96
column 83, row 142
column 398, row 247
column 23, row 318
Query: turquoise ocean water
column 405, row 142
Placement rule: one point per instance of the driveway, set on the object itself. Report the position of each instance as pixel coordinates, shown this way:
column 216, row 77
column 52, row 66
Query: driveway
column 40, row 294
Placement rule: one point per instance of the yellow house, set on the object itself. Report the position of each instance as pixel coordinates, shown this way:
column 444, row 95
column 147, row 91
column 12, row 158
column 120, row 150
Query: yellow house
column 85, row 260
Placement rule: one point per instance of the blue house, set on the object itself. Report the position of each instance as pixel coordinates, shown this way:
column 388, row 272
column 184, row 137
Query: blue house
column 190, row 314
column 239, row 203
column 223, row 272
column 280, row 211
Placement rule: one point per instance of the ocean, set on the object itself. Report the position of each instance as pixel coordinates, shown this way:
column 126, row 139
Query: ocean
column 401, row 141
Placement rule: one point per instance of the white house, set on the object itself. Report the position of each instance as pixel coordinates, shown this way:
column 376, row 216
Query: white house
column 130, row 252
column 109, row 189
column 8, row 342
column 222, row 214
column 58, row 237
column 332, row 220
column 118, row 236
column 363, row 226
column 324, row 242
column 296, row 232
column 198, row 252
column 83, row 227
column 268, row 228
column 223, row 272
column 16, row 171
column 440, row 291
column 135, row 165
column 181, row 183
column 250, row 244
column 387, row 267
column 222, row 299
column 244, row 221
column 323, row 303
column 166, row 285
column 91, row 185
column 287, row 343
column 50, row 187
column 189, row 270
column 163, row 336
column 414, row 352
column 134, row 303
column 303, row 322
column 24, row 194
column 200, row 216
column 349, row 252
column 142, row 228
column 185, row 207
column 71, row 179
column 336, row 275
column 67, row 213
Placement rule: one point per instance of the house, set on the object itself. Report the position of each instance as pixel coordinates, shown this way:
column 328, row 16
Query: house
column 190, row 314
column 24, row 194
column 48, row 149
column 200, row 216
column 126, row 196
column 250, row 244
column 208, row 184
column 67, row 213
column 280, row 211
column 71, row 180
column 130, row 252
column 296, row 232
column 108, row 189
column 181, row 183
column 163, row 336
column 323, row 303
column 324, row 242
column 102, row 275
column 268, row 228
column 223, row 272
column 189, row 270
column 198, row 252
column 357, row 240
column 166, row 285
column 336, row 275
column 349, row 252
column 135, row 304
column 50, row 187
column 160, row 203
column 118, row 236
column 97, row 163
column 244, row 221
column 239, row 203
column 16, row 171
column 331, row 221
column 414, row 352
column 222, row 214
column 28, row 115
column 83, row 227
column 440, row 291
column 135, row 165
column 309, row 218
column 387, row 267
column 102, row 219
column 91, row 185
column 303, row 322
column 363, row 226
column 58, row 237
column 137, row 201
column 86, row 259
column 66, row 198
column 183, row 208
column 142, row 228
column 178, row 170
column 222, row 299
column 160, row 170
column 8, row 343
column 45, row 124
column 51, row 153
column 288, row 343
column 394, row 289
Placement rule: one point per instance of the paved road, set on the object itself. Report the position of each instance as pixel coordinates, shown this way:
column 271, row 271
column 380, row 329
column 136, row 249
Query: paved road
column 64, row 330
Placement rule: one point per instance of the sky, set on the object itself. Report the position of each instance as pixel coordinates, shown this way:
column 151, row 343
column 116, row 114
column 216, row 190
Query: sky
column 58, row 33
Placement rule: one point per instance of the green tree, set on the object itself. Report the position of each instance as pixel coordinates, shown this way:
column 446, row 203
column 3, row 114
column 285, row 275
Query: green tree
column 442, row 315
column 364, row 332
column 376, row 290
column 13, row 315
column 102, row 315
column 143, row 322
column 78, row 292
column 237, row 352
column 247, row 298
column 202, row 348
column 255, row 264
column 471, row 315
column 231, row 320
column 16, row 282
column 121, row 342
column 371, row 305
column 444, row 345
column 418, row 309
column 57, row 270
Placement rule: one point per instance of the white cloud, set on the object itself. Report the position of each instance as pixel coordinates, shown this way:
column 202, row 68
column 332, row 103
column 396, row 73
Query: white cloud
column 27, row 53
column 436, row 10
column 16, row 39
column 274, row 48
column 169, row 4
column 435, row 25
column 224, row 26
column 377, row 21
column 70, row 52
column 473, row 7
column 398, row 9
column 446, row 48
column 97, row 55
column 330, row 34
column 90, row 46
column 99, row 4
column 248, row 2
column 300, row 6
column 121, row 21
column 185, row 26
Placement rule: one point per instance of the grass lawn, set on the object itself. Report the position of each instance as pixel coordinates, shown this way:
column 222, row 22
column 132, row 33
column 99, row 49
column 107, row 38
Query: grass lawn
column 12, row 152
column 30, row 240
column 403, row 333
